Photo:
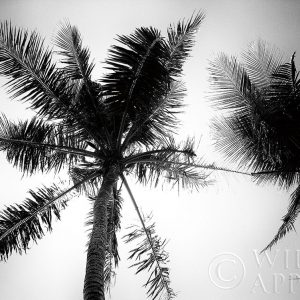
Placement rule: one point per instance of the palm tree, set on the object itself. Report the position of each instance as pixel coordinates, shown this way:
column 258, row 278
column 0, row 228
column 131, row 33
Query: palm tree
column 101, row 131
column 260, row 130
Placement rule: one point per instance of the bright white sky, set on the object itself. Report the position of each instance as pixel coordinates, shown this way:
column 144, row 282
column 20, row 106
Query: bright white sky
column 233, row 215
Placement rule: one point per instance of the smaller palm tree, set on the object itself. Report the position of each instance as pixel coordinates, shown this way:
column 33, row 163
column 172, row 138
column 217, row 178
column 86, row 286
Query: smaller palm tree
column 261, row 98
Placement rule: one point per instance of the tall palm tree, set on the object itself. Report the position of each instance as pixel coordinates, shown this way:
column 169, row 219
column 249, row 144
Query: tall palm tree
column 101, row 131
column 260, row 130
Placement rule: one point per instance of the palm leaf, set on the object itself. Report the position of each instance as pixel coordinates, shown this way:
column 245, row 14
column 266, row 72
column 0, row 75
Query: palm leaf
column 284, row 86
column 181, row 175
column 232, row 88
column 288, row 220
column 261, row 61
column 180, row 42
column 32, row 75
column 21, row 224
column 171, row 162
column 76, row 66
column 156, row 257
column 137, row 75
column 150, row 255
column 254, row 144
column 153, row 122
column 158, row 116
column 87, row 114
column 75, row 57
column 163, row 149
column 35, row 145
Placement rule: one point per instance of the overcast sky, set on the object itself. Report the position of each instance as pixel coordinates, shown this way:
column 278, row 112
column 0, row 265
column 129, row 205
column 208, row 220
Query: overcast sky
column 232, row 216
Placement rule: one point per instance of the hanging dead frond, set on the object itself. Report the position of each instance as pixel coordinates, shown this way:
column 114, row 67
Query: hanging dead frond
column 150, row 255
column 113, row 226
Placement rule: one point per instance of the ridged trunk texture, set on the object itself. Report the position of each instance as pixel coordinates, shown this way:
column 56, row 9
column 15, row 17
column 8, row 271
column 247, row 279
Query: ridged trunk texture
column 94, row 276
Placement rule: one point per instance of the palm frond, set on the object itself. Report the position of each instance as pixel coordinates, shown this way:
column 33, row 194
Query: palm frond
column 288, row 220
column 156, row 259
column 141, row 84
column 184, row 176
column 137, row 75
column 261, row 61
column 35, row 145
column 32, row 75
column 285, row 86
column 164, row 148
column 159, row 116
column 21, row 224
column 77, row 67
column 150, row 255
column 34, row 78
column 171, row 162
column 252, row 143
column 87, row 114
column 180, row 42
column 235, row 137
column 154, row 121
column 231, row 86
column 76, row 58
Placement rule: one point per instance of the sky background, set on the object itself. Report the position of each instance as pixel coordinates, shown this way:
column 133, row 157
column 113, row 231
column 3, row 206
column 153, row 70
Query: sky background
column 232, row 216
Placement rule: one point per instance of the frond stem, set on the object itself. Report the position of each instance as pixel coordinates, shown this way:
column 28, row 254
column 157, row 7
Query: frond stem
column 34, row 75
column 136, row 157
column 131, row 90
column 274, row 172
column 211, row 167
column 63, row 149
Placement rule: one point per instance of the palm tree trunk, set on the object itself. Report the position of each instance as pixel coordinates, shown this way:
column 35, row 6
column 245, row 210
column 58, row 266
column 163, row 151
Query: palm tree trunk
column 94, row 276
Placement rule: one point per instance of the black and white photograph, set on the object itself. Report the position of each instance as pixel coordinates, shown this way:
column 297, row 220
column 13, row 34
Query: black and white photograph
column 149, row 149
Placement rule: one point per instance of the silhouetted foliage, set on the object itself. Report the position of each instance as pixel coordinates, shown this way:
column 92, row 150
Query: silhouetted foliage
column 260, row 97
column 100, row 130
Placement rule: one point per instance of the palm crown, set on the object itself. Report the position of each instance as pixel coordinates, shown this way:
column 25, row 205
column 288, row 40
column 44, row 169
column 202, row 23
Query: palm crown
column 261, row 130
column 101, row 130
